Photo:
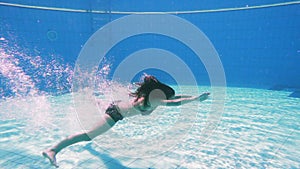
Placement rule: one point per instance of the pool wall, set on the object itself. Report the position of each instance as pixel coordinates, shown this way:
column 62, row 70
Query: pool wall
column 257, row 47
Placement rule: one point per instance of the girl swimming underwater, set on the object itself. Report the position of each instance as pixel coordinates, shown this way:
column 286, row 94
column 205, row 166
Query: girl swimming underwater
column 150, row 94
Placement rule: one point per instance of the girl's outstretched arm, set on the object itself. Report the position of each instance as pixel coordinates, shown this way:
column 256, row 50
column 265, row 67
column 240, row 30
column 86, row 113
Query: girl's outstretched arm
column 183, row 100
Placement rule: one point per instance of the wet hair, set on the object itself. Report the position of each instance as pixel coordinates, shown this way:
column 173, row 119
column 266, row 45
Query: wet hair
column 148, row 85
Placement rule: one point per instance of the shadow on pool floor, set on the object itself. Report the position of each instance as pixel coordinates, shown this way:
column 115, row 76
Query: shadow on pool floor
column 295, row 90
column 22, row 159
column 109, row 162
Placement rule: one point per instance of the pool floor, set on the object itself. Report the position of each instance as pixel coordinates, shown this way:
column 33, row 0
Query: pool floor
column 258, row 129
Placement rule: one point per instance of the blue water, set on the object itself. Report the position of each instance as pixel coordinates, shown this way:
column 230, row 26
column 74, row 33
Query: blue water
column 258, row 129
column 254, row 44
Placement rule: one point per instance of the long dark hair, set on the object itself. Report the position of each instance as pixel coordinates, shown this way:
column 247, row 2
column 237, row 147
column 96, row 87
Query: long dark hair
column 149, row 84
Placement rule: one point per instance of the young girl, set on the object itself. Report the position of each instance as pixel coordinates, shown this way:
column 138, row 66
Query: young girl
column 150, row 94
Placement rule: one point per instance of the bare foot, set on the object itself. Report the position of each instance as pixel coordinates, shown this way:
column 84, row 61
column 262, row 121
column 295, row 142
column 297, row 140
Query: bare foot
column 204, row 96
column 50, row 154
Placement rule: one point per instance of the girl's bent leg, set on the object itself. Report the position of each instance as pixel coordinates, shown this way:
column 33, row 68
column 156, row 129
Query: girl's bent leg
column 105, row 124
column 71, row 140
column 51, row 153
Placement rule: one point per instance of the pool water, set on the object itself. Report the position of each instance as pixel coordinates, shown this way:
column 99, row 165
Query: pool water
column 258, row 129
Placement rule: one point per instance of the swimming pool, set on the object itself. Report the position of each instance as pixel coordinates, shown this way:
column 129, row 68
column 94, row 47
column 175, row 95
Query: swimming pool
column 258, row 129
column 246, row 55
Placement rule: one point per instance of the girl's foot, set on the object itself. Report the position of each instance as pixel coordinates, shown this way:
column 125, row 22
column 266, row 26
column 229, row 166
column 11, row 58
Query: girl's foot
column 50, row 154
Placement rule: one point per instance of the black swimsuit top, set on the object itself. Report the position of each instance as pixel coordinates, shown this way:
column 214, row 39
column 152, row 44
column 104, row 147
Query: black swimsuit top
column 144, row 110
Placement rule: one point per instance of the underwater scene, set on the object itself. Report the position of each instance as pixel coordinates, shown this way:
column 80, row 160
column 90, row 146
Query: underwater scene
column 149, row 84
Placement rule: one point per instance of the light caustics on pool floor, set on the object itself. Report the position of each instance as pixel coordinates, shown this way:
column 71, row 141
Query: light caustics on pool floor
column 258, row 129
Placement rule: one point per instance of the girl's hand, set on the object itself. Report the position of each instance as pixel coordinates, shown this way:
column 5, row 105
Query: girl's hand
column 204, row 96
